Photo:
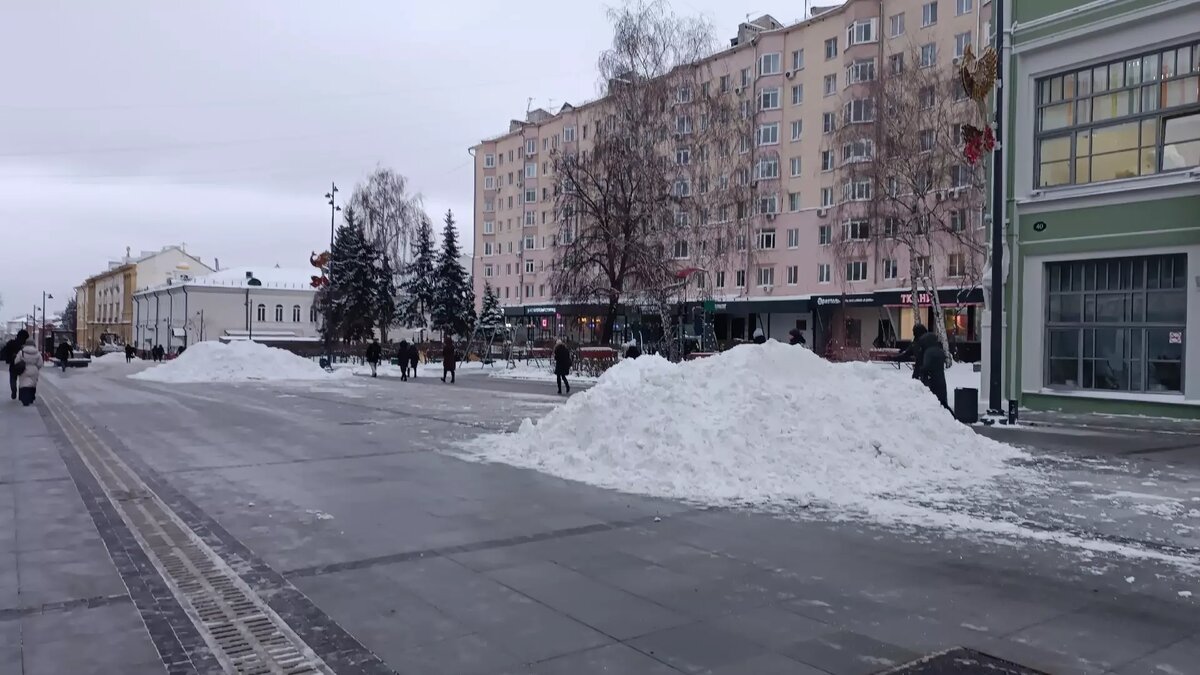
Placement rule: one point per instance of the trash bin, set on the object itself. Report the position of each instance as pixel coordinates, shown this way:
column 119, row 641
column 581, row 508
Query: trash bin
column 966, row 405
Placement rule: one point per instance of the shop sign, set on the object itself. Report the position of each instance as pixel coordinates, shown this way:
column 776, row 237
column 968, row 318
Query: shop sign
column 923, row 298
column 539, row 310
column 849, row 300
column 1175, row 337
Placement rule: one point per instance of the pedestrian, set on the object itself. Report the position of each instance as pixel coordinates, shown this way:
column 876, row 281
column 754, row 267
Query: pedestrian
column 414, row 357
column 448, row 358
column 759, row 337
column 9, row 353
column 129, row 350
column 374, row 352
column 796, row 337
column 28, row 364
column 402, row 359
column 179, row 352
column 632, row 351
column 562, row 366
column 916, row 349
column 63, row 354
column 933, row 368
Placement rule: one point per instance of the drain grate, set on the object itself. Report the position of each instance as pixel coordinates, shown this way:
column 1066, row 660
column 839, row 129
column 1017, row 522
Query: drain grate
column 962, row 661
column 244, row 634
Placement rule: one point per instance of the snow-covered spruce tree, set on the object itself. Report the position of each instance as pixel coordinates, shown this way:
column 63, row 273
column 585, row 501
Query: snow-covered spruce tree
column 352, row 289
column 451, row 287
column 491, row 317
column 417, row 289
column 385, row 295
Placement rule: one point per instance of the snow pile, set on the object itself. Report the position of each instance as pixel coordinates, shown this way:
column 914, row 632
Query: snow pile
column 242, row 361
column 531, row 373
column 765, row 425
column 111, row 359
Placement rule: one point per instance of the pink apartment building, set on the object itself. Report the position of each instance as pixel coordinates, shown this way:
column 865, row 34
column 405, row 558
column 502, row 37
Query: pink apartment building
column 790, row 278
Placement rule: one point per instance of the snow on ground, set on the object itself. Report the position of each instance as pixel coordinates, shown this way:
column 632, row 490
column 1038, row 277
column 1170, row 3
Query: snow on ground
column 763, row 425
column 112, row 359
column 242, row 361
column 423, row 370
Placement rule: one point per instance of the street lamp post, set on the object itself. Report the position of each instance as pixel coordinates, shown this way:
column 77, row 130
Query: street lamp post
column 996, row 335
column 250, row 281
column 41, row 329
column 333, row 209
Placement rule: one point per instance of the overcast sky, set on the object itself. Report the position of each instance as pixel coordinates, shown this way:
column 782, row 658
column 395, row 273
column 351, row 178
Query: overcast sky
column 220, row 124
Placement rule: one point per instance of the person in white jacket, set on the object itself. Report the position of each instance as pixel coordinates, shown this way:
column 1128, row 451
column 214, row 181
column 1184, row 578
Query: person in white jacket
column 27, row 380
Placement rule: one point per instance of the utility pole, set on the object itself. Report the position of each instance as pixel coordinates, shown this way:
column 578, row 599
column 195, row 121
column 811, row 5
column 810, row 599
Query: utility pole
column 996, row 336
column 333, row 209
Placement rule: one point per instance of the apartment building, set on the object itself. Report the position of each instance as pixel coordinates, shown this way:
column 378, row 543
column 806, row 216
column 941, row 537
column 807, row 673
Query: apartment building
column 795, row 84
column 1104, row 194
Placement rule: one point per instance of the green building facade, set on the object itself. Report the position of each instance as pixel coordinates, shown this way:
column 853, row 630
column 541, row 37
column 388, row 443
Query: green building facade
column 1102, row 144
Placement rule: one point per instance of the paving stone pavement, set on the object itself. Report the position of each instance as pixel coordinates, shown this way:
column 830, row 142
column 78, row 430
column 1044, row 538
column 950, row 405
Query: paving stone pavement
column 341, row 505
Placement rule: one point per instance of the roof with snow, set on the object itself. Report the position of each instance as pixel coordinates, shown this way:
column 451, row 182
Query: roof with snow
column 289, row 278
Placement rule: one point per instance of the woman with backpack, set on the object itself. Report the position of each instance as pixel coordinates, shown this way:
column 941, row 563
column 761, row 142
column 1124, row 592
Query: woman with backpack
column 28, row 367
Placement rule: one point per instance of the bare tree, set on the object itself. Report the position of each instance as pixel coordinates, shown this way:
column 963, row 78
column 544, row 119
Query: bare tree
column 906, row 193
column 639, row 201
column 390, row 214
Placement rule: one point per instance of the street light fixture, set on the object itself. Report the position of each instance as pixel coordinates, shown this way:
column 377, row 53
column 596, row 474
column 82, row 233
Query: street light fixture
column 41, row 328
column 333, row 209
column 251, row 280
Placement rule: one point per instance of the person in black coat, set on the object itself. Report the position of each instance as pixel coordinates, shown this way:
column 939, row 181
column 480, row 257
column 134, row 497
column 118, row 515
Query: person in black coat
column 129, row 351
column 9, row 353
column 402, row 359
column 633, row 350
column 374, row 353
column 933, row 368
column 414, row 357
column 562, row 366
column 759, row 337
column 916, row 349
column 448, row 358
column 796, row 337
column 63, row 354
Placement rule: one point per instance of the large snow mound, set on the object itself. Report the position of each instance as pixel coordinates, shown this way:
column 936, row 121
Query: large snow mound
column 765, row 425
column 241, row 361
column 112, row 359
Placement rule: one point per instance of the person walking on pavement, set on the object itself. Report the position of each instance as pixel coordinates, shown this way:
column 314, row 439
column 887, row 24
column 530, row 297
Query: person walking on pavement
column 63, row 354
column 374, row 352
column 402, row 359
column 414, row 358
column 129, row 350
column 562, row 366
column 933, row 369
column 448, row 358
column 28, row 364
column 9, row 353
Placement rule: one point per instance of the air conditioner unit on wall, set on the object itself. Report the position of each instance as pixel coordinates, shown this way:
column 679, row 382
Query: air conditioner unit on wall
column 821, row 213
column 789, row 74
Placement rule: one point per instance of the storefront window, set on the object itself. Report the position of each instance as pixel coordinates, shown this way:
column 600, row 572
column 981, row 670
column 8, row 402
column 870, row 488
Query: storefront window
column 1116, row 324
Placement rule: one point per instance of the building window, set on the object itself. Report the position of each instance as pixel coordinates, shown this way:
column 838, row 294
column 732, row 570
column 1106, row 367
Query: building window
column 794, row 163
column 960, row 175
column 896, row 63
column 859, row 110
column 890, row 268
column 961, row 41
column 720, row 283
column 683, row 125
column 295, row 313
column 768, row 134
column 828, row 122
column 858, row 190
column 530, row 147
column 824, row 235
column 487, row 270
column 926, row 97
column 1117, row 324
column 766, row 239
column 823, row 273
column 531, row 170
column 964, row 6
column 767, row 168
column 683, row 95
column 683, row 156
column 530, row 218
column 529, row 241
column 958, row 220
column 531, row 196
column 826, row 196
column 680, row 249
column 568, row 134
column 862, row 70
column 261, row 313
column 929, row 13
column 766, row 276
column 793, row 202
column 798, row 59
column 858, row 229
column 768, row 204
column 831, row 50
column 489, row 161
column 928, row 55
column 739, row 279
column 956, row 265
column 793, row 275
column 768, row 99
column 312, row 314
column 489, row 182
column 830, row 84
column 797, row 129
column 769, row 64
column 862, row 31
column 856, row 270
column 862, row 150
column 1123, row 119
column 797, row 94
column 896, row 25
column 745, row 77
